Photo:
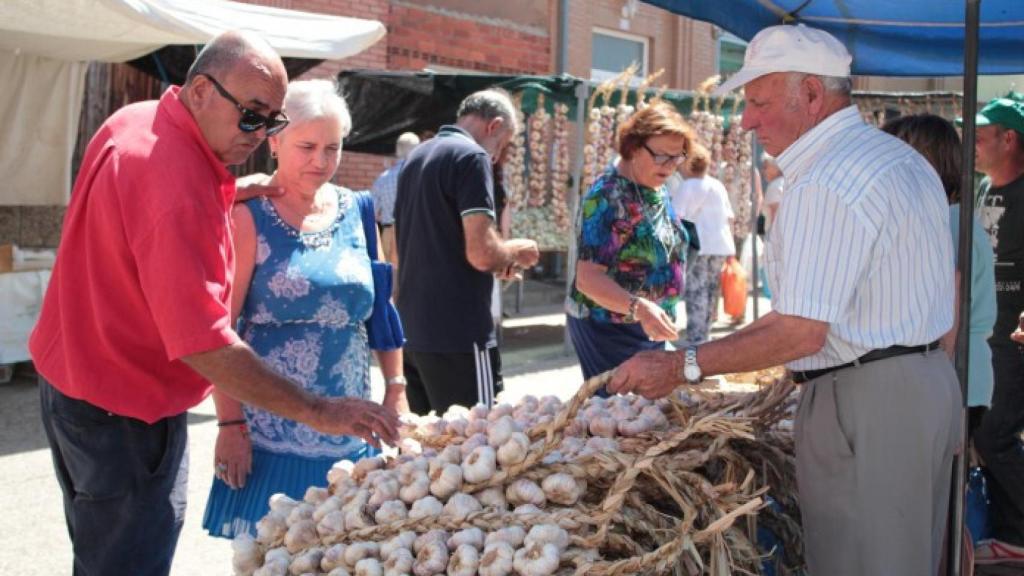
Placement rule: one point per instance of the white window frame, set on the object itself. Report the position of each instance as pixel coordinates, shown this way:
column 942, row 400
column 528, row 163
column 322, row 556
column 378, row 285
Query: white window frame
column 598, row 75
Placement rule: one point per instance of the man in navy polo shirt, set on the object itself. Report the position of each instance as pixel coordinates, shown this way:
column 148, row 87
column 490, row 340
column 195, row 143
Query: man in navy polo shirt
column 449, row 251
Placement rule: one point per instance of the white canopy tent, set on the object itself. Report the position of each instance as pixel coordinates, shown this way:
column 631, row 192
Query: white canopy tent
column 45, row 47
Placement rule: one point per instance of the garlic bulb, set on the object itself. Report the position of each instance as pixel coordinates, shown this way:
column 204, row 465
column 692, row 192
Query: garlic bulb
column 472, row 536
column 301, row 535
column 431, row 559
column 480, row 465
column 369, row 567
column 428, row 538
column 464, row 561
column 603, row 426
column 339, row 571
column 272, row 569
column 477, row 427
column 446, row 480
column 410, row 447
column 456, row 427
column 365, row 466
column 500, row 430
column 426, row 507
column 461, row 505
column 402, row 541
column 496, row 560
column 304, row 511
column 514, row 450
column 331, row 524
column 333, row 557
column 635, row 426
column 450, row 455
column 500, row 410
column 417, row 488
column 384, row 488
column 547, row 534
column 471, row 443
column 327, row 506
column 271, row 528
column 493, row 497
column 246, row 556
column 316, row 495
column 514, row 536
column 356, row 517
column 399, row 562
column 390, row 512
column 562, row 488
column 308, row 561
column 359, row 550
column 524, row 491
column 282, row 503
column 536, row 560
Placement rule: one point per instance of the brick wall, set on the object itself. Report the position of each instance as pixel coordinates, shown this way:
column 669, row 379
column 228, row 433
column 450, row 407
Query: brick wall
column 419, row 38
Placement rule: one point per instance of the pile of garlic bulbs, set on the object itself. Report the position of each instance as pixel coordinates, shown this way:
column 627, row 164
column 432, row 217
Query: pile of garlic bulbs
column 595, row 486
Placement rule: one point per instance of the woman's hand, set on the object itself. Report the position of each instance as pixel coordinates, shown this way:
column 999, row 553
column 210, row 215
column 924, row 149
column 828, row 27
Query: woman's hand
column 657, row 324
column 232, row 455
column 395, row 398
column 356, row 417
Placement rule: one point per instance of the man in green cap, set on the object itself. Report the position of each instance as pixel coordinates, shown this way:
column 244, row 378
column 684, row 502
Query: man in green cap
column 999, row 154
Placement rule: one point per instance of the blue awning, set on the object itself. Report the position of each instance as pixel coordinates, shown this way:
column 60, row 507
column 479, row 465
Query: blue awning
column 885, row 37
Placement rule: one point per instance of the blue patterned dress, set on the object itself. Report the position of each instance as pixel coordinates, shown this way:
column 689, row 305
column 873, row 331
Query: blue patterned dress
column 304, row 316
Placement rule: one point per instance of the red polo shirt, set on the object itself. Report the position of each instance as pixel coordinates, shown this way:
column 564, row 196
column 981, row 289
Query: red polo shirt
column 144, row 268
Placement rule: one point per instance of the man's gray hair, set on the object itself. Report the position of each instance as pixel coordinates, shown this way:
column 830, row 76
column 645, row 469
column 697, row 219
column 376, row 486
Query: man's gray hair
column 224, row 52
column 488, row 105
column 313, row 99
column 406, row 142
column 839, row 85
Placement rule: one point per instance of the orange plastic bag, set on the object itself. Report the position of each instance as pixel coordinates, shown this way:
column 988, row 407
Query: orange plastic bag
column 734, row 288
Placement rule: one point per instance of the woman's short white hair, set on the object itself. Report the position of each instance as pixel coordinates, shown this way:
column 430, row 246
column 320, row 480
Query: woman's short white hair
column 312, row 99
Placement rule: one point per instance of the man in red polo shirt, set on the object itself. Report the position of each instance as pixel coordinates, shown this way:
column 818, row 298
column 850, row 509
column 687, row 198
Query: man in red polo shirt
column 136, row 322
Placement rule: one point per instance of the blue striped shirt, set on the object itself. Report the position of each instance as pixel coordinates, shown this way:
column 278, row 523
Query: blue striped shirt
column 861, row 241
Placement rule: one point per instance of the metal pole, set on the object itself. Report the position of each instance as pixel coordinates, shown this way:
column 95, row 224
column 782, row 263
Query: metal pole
column 576, row 192
column 562, row 64
column 956, row 519
column 755, row 176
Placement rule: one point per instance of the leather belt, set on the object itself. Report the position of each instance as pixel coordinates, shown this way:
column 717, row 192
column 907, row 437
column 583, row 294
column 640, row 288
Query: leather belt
column 801, row 376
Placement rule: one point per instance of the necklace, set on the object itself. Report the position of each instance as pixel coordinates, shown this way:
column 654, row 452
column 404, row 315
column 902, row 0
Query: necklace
column 317, row 240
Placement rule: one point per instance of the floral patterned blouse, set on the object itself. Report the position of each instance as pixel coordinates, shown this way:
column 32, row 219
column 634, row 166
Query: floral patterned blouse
column 303, row 315
column 631, row 230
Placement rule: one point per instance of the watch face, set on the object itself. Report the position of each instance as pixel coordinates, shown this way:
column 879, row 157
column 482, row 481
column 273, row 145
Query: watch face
column 691, row 372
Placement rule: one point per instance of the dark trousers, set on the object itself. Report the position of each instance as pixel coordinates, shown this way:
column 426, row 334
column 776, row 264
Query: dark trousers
column 998, row 441
column 439, row 380
column 124, row 484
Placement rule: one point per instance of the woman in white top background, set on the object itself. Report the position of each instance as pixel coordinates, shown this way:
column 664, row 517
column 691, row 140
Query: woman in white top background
column 703, row 200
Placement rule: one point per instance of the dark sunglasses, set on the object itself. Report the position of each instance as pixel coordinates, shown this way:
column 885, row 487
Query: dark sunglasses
column 252, row 121
column 662, row 159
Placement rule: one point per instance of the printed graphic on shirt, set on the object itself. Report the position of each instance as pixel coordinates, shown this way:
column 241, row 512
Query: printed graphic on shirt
column 990, row 214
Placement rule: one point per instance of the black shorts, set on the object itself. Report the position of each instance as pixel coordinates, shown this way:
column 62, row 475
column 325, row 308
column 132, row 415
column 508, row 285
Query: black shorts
column 437, row 380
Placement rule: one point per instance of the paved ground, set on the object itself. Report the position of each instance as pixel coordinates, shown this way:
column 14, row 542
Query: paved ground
column 33, row 538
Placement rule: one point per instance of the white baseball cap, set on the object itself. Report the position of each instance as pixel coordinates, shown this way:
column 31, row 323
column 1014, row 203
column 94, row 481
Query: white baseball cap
column 790, row 48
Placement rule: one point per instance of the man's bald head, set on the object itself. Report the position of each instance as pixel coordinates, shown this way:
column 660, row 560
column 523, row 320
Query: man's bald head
column 236, row 72
column 234, row 48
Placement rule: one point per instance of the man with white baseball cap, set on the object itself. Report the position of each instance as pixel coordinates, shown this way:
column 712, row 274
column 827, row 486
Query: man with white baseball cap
column 860, row 263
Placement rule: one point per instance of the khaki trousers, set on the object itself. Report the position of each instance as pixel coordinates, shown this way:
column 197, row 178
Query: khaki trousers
column 874, row 452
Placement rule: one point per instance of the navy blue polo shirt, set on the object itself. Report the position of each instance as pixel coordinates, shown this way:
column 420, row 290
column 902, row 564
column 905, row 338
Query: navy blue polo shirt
column 444, row 302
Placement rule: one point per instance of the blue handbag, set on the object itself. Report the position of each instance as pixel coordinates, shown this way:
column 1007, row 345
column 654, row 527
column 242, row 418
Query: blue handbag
column 384, row 327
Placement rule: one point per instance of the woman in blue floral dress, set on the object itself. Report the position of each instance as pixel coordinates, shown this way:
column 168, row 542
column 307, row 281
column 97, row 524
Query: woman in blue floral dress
column 629, row 273
column 303, row 289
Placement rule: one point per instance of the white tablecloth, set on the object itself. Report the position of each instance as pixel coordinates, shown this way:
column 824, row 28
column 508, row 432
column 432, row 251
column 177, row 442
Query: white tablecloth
column 21, row 297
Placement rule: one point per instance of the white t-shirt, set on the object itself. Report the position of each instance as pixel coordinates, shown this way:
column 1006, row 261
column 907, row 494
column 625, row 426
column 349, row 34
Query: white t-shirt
column 705, row 202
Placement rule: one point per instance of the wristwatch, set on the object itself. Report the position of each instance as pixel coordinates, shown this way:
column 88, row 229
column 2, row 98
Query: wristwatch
column 691, row 371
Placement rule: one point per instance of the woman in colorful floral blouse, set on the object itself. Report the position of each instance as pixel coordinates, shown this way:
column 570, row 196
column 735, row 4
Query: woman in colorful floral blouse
column 629, row 273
